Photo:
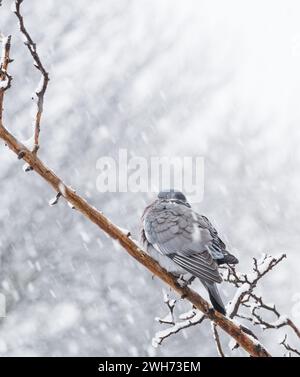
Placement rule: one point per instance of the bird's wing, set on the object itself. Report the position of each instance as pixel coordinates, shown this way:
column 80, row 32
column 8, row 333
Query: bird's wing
column 201, row 265
column 175, row 231
column 217, row 247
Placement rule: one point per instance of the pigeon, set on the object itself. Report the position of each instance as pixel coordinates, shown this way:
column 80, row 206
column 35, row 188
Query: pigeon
column 184, row 242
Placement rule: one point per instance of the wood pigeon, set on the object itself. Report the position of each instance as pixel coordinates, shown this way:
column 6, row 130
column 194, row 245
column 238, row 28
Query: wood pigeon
column 184, row 242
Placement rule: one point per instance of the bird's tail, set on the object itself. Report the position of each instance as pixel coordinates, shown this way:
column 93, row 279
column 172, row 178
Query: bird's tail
column 215, row 297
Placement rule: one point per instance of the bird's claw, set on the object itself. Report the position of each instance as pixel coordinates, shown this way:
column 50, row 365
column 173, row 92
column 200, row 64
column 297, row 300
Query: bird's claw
column 181, row 281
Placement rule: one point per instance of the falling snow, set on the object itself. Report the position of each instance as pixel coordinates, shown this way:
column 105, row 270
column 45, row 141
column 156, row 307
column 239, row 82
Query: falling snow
column 175, row 78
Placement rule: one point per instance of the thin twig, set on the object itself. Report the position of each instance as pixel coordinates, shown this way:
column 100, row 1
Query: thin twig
column 42, row 86
column 288, row 347
column 280, row 322
column 5, row 78
column 217, row 340
column 271, row 264
column 195, row 318
column 169, row 318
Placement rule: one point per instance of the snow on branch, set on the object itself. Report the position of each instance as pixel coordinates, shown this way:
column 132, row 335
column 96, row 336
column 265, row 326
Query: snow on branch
column 246, row 283
column 5, row 78
column 191, row 318
column 169, row 318
column 43, row 83
column 244, row 297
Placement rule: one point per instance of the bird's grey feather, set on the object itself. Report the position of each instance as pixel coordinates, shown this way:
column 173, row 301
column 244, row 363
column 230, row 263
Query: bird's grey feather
column 177, row 232
column 199, row 265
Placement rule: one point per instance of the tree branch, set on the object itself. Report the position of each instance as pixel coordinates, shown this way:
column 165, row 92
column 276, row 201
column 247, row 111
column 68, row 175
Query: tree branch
column 288, row 347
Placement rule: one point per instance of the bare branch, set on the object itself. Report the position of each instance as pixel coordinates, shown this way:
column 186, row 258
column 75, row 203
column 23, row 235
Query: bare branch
column 262, row 267
column 217, row 339
column 42, row 86
column 288, row 347
column 281, row 320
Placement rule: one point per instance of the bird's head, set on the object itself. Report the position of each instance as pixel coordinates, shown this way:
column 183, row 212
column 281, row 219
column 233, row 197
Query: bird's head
column 173, row 196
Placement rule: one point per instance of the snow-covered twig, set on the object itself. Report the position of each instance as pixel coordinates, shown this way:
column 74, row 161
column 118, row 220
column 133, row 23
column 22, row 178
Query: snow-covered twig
column 5, row 78
column 265, row 265
column 245, row 297
column 169, row 318
column 246, row 283
column 43, row 83
column 192, row 318
column 217, row 340
column 281, row 320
